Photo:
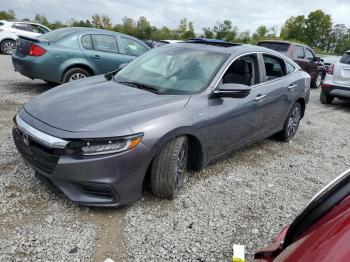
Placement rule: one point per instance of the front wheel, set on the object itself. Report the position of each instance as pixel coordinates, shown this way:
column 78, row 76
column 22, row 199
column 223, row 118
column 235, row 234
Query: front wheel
column 291, row 124
column 169, row 168
column 318, row 81
column 8, row 47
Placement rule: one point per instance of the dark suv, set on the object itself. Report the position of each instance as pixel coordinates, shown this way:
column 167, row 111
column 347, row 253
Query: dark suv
column 303, row 55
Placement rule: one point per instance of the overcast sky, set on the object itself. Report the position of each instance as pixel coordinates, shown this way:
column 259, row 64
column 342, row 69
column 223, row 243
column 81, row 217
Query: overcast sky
column 248, row 14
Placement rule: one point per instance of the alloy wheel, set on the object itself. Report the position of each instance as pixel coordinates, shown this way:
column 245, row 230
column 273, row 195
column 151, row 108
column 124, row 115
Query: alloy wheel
column 8, row 47
column 76, row 76
column 293, row 122
column 319, row 80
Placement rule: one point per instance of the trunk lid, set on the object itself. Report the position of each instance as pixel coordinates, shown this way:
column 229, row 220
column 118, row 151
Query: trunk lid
column 23, row 44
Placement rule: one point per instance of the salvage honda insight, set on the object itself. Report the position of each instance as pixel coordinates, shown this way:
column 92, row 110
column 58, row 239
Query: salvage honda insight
column 177, row 107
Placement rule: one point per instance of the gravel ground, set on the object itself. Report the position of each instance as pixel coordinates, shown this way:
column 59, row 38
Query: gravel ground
column 243, row 199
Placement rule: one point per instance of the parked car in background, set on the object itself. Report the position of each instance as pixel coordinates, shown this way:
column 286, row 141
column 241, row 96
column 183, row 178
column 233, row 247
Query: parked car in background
column 303, row 55
column 321, row 232
column 73, row 53
column 337, row 81
column 178, row 106
column 10, row 30
column 153, row 43
column 328, row 60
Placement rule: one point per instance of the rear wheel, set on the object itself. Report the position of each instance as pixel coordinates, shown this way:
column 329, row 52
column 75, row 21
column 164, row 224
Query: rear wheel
column 326, row 99
column 75, row 74
column 8, row 46
column 169, row 168
column 291, row 124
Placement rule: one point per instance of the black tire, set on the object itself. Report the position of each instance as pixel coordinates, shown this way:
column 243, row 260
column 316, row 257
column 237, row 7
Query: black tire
column 8, row 46
column 76, row 71
column 316, row 83
column 291, row 123
column 326, row 99
column 169, row 168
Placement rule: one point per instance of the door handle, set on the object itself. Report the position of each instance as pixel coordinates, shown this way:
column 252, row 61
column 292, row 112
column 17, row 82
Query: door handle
column 259, row 97
column 291, row 87
column 96, row 57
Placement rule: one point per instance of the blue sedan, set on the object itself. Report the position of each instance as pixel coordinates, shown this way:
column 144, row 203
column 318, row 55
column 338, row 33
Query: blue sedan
column 69, row 54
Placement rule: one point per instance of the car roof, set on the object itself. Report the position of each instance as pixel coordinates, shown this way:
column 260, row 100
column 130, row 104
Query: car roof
column 246, row 48
column 96, row 30
column 282, row 42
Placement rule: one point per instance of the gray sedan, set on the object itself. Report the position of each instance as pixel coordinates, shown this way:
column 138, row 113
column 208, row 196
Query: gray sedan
column 177, row 107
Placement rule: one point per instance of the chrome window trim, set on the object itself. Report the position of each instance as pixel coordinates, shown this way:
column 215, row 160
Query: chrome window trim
column 41, row 137
column 257, row 53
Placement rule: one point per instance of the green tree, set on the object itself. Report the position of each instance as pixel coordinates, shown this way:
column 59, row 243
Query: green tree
column 244, row 37
column 225, row 31
column 143, row 28
column 318, row 27
column 262, row 31
column 41, row 19
column 294, row 28
column 208, row 32
column 7, row 15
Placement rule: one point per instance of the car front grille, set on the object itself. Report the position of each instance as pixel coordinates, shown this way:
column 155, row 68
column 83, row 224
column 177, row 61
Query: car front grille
column 40, row 157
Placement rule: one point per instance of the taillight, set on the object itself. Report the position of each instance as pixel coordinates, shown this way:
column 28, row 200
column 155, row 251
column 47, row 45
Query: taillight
column 36, row 50
column 330, row 69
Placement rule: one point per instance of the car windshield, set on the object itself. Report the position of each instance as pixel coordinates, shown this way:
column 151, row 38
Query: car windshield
column 58, row 34
column 173, row 69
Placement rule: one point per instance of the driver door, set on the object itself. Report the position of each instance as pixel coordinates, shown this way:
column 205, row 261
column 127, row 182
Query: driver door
column 237, row 121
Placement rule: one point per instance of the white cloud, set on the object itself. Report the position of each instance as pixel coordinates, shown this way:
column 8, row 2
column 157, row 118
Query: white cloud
column 245, row 14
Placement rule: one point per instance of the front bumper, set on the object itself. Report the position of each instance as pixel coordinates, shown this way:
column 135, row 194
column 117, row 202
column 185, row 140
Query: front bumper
column 103, row 180
column 342, row 92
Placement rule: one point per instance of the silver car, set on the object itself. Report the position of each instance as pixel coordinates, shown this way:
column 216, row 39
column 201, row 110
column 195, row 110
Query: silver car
column 177, row 107
column 337, row 81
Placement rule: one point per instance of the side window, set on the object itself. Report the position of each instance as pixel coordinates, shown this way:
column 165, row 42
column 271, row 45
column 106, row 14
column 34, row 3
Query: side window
column 274, row 67
column 299, row 51
column 309, row 55
column 86, row 42
column 243, row 71
column 133, row 47
column 290, row 68
column 105, row 43
column 39, row 29
column 23, row 27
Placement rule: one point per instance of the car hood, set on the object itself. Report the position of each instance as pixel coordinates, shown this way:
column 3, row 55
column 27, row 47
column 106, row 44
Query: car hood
column 94, row 105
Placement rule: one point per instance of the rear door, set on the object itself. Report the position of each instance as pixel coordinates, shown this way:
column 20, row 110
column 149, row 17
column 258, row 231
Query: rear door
column 132, row 48
column 341, row 74
column 102, row 50
column 23, row 29
column 281, row 88
column 299, row 56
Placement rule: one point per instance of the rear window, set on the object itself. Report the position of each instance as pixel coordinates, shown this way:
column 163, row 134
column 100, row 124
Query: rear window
column 58, row 34
column 280, row 47
column 345, row 59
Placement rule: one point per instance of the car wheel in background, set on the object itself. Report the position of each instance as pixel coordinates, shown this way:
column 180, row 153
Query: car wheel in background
column 316, row 83
column 291, row 124
column 169, row 168
column 8, row 46
column 326, row 99
column 75, row 74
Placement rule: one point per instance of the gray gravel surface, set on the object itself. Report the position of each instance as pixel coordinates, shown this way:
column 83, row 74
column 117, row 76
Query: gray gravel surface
column 243, row 199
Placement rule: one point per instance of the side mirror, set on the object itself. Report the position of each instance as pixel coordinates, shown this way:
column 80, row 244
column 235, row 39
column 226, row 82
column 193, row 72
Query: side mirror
column 318, row 59
column 232, row 90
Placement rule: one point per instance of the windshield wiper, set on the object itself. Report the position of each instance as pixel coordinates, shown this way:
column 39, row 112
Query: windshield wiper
column 141, row 86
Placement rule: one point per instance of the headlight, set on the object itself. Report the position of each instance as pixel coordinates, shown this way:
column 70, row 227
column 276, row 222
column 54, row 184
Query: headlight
column 108, row 146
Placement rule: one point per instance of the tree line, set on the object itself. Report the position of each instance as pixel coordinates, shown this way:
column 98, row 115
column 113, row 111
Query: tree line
column 316, row 30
